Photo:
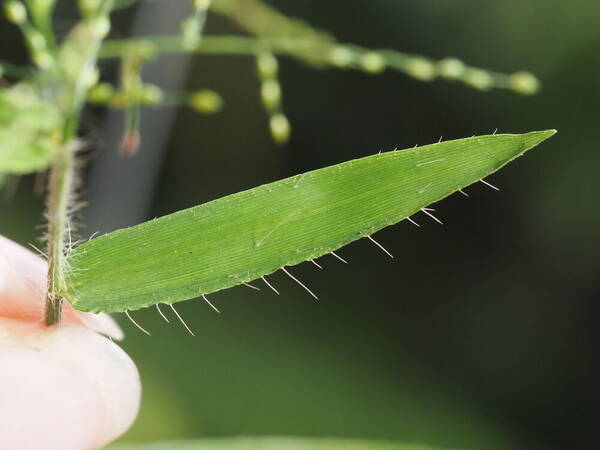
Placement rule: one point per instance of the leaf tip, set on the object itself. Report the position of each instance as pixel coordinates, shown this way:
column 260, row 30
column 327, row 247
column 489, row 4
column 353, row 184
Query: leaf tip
column 533, row 139
column 545, row 134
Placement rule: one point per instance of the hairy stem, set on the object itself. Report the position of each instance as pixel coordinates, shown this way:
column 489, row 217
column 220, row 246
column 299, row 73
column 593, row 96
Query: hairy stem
column 59, row 194
column 78, row 54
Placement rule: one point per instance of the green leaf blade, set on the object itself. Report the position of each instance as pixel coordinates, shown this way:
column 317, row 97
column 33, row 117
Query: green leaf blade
column 249, row 234
column 29, row 130
column 273, row 443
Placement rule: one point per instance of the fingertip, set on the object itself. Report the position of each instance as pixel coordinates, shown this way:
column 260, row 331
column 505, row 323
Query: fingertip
column 102, row 323
column 23, row 280
column 60, row 376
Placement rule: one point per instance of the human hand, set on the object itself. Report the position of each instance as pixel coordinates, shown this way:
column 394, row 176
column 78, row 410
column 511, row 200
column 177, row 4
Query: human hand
column 63, row 387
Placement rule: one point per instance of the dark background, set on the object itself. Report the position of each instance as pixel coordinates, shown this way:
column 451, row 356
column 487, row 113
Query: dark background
column 480, row 334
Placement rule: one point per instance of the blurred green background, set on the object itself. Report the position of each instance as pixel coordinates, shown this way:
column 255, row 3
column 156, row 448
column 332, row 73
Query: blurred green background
column 479, row 335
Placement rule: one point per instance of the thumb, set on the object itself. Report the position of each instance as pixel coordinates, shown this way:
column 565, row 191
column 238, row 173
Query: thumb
column 62, row 387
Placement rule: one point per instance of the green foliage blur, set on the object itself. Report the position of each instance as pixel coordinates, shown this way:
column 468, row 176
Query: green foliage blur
column 479, row 335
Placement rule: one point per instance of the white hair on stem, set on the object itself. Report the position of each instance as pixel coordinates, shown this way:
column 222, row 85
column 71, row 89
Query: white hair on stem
column 161, row 313
column 300, row 283
column 135, row 323
column 428, row 212
column 489, row 184
column 269, row 284
column 380, row 246
column 251, row 286
column 413, row 222
column 181, row 319
column 316, row 263
column 339, row 257
column 210, row 304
